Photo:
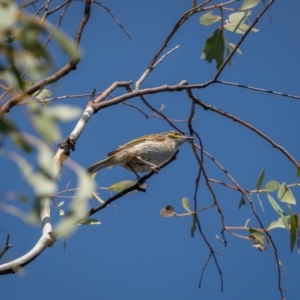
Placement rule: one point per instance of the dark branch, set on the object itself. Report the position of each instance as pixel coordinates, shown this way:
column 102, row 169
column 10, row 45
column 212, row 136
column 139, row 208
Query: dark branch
column 136, row 186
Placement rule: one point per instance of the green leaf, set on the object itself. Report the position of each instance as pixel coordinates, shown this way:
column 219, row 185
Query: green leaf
column 21, row 142
column 285, row 194
column 8, row 15
column 168, row 211
column 232, row 46
column 209, row 18
column 260, row 179
column 67, row 45
column 186, row 205
column 284, row 221
column 259, row 236
column 260, row 203
column 275, row 205
column 61, row 203
column 7, row 127
column 63, row 112
column 242, row 201
column 89, row 222
column 279, row 210
column 194, row 226
column 45, row 160
column 45, row 125
column 272, row 186
column 293, row 228
column 42, row 95
column 249, row 4
column 276, row 224
column 214, row 48
column 123, row 185
column 236, row 23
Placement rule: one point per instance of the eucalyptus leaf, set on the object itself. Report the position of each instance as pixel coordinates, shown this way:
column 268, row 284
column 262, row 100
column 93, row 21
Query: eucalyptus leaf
column 42, row 95
column 242, row 201
column 232, row 46
column 61, row 203
column 67, row 45
column 274, row 204
column 236, row 23
column 259, row 236
column 186, row 205
column 194, row 225
column 45, row 160
column 89, row 222
column 293, row 229
column 209, row 18
column 8, row 15
column 260, row 179
column 168, row 211
column 272, row 186
column 276, row 224
column 285, row 194
column 62, row 112
column 249, row 4
column 121, row 185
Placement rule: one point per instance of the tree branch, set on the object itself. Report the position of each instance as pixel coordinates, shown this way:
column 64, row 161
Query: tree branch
column 70, row 66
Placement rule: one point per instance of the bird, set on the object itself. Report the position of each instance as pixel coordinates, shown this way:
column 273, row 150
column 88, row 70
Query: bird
column 142, row 154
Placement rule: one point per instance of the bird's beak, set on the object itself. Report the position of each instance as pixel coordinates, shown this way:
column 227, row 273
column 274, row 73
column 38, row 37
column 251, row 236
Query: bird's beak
column 189, row 138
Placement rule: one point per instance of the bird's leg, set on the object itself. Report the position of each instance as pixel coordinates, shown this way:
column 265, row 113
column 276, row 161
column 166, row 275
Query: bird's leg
column 132, row 169
column 153, row 166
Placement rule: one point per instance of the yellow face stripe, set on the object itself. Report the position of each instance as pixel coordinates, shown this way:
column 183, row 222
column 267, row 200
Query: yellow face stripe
column 174, row 134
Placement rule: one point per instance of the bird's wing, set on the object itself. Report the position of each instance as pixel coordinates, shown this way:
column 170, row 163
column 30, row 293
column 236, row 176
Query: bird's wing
column 148, row 137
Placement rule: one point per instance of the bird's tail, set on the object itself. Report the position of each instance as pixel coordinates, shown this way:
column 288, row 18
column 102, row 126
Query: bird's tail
column 101, row 164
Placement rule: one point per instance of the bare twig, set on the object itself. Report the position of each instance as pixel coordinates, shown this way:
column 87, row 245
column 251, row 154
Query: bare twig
column 249, row 126
column 6, row 247
column 147, row 72
column 58, row 7
column 113, row 16
column 106, row 93
column 257, row 218
column 128, row 88
column 258, row 89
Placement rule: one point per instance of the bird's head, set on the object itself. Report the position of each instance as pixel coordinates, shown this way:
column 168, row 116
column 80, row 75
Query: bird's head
column 178, row 137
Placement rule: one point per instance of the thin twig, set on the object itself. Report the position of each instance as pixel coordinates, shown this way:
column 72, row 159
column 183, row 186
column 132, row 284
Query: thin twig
column 128, row 88
column 147, row 72
column 6, row 246
column 136, row 186
column 249, row 126
column 258, row 89
column 114, row 17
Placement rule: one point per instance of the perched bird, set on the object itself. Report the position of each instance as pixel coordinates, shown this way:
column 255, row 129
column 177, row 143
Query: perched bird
column 142, row 154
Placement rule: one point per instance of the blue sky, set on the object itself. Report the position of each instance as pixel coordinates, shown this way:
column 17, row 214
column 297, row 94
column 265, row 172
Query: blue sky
column 135, row 253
